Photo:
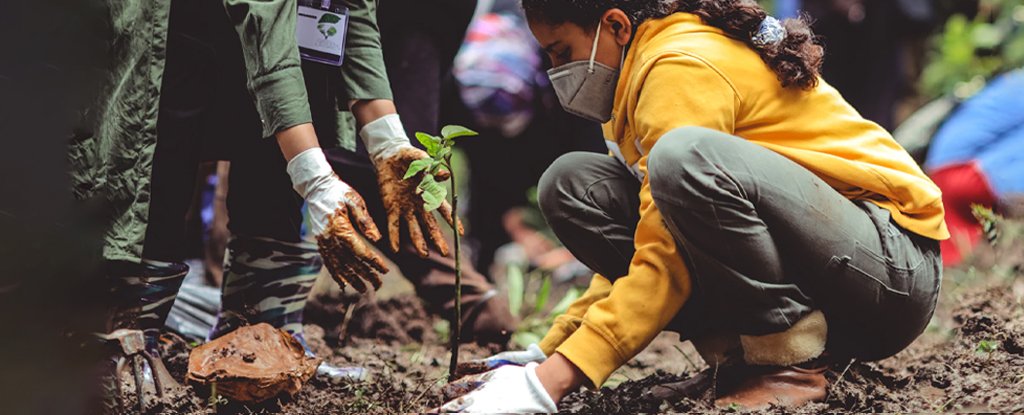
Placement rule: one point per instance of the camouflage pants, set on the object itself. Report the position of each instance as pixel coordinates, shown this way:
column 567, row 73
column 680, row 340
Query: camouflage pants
column 145, row 293
column 266, row 281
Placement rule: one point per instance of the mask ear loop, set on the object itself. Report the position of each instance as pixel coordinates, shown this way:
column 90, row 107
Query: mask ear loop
column 622, row 59
column 593, row 50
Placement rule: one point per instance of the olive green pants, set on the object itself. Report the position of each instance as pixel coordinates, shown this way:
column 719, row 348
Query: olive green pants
column 765, row 240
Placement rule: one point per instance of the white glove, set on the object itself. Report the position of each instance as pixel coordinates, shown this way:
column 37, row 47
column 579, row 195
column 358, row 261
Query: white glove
column 392, row 155
column 384, row 137
column 508, row 389
column 532, row 354
column 331, row 204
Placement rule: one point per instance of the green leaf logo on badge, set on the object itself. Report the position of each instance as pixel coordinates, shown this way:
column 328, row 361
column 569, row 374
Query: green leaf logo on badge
column 326, row 24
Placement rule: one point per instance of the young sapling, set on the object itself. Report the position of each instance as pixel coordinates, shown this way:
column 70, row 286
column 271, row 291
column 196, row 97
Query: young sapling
column 434, row 194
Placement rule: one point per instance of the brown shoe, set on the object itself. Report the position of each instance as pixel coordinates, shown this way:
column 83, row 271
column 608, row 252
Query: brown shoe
column 783, row 386
column 692, row 388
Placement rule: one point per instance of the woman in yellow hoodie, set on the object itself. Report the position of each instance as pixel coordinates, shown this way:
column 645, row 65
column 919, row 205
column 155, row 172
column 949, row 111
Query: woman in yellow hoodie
column 745, row 205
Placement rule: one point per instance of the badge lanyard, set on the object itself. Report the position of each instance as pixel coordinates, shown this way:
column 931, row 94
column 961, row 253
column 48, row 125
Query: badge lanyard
column 321, row 30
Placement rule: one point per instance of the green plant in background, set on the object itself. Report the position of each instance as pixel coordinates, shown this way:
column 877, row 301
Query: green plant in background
column 969, row 51
column 529, row 295
column 989, row 221
column 986, row 346
column 434, row 193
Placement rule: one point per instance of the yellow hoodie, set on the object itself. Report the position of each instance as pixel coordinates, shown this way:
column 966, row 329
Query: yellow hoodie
column 681, row 72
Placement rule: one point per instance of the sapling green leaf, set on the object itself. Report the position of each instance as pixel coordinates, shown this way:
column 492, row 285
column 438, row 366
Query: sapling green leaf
column 437, row 167
column 418, row 166
column 431, row 143
column 432, row 192
column 444, row 153
column 455, row 131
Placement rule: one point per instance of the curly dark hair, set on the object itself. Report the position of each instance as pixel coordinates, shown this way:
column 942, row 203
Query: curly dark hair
column 796, row 61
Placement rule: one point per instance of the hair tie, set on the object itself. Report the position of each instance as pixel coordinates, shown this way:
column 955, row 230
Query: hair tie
column 770, row 33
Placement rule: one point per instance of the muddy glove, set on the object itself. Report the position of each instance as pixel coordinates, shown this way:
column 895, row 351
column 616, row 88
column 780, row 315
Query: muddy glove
column 532, row 354
column 392, row 154
column 332, row 206
column 508, row 389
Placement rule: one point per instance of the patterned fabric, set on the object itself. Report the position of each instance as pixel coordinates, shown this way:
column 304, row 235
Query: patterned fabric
column 266, row 281
column 145, row 293
column 498, row 71
column 770, row 33
column 987, row 129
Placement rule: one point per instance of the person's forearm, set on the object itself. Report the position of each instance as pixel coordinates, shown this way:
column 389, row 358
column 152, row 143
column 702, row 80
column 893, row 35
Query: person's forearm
column 294, row 140
column 560, row 376
column 366, row 111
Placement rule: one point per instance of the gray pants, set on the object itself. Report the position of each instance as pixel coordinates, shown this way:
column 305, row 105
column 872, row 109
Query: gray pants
column 765, row 240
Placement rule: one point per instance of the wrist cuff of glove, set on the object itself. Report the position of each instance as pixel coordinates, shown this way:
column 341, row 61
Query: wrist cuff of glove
column 308, row 170
column 537, row 389
column 384, row 136
column 536, row 354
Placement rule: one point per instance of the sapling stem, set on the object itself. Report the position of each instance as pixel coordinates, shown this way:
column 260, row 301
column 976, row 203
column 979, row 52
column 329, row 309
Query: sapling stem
column 457, row 321
column 433, row 193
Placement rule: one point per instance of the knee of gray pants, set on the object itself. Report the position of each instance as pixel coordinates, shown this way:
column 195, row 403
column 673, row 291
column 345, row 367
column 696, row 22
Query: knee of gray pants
column 685, row 161
column 560, row 187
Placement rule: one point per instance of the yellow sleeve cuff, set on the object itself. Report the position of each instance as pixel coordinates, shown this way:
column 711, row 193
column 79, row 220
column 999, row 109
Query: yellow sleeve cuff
column 593, row 353
column 563, row 327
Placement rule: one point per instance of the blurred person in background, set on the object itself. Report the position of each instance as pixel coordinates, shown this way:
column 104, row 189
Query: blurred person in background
column 502, row 91
column 977, row 158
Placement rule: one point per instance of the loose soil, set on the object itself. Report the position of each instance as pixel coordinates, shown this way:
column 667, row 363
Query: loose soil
column 969, row 360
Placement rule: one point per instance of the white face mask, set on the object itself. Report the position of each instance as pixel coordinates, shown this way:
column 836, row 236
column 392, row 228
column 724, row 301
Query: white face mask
column 587, row 88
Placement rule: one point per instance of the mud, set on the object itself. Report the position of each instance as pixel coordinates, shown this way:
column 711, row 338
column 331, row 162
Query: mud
column 397, row 320
column 973, row 366
column 470, row 368
column 970, row 359
column 394, row 339
column 251, row 364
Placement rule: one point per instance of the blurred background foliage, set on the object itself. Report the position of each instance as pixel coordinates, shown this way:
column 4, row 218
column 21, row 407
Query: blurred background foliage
column 968, row 49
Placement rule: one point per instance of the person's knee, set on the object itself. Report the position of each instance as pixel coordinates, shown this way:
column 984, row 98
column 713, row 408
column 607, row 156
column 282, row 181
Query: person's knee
column 683, row 158
column 560, row 186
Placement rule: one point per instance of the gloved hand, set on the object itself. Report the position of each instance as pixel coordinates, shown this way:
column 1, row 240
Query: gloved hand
column 332, row 205
column 391, row 154
column 532, row 354
column 508, row 389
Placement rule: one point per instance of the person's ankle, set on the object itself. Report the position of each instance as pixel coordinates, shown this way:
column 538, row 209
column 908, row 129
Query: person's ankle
column 559, row 376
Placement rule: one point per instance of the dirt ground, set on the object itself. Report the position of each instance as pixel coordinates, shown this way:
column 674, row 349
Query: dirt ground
column 970, row 359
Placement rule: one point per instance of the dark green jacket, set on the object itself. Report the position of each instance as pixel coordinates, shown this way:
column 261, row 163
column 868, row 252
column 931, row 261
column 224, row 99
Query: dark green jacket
column 113, row 159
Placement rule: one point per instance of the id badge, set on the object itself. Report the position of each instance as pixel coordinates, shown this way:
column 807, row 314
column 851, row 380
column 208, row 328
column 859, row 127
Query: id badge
column 320, row 30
